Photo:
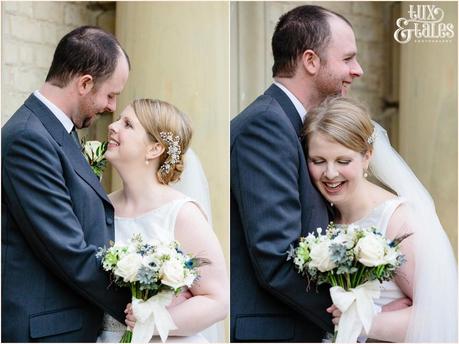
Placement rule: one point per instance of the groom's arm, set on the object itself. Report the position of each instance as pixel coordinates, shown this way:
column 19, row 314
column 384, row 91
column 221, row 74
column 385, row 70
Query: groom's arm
column 265, row 166
column 41, row 205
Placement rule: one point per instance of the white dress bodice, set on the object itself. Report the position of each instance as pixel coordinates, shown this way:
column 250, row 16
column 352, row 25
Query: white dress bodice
column 379, row 217
column 157, row 224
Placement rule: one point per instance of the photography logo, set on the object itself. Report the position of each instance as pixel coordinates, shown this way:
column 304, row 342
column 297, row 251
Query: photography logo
column 425, row 24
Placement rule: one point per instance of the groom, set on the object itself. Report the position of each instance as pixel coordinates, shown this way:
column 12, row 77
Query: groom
column 55, row 213
column 273, row 202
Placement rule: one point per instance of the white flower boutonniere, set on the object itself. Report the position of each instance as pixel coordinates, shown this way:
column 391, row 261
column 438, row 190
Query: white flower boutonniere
column 94, row 152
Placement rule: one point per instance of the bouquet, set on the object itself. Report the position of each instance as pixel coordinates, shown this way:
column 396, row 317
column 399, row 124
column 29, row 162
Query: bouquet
column 354, row 261
column 94, row 152
column 154, row 272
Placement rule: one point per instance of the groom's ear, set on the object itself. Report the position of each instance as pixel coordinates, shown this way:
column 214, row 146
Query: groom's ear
column 85, row 84
column 154, row 150
column 311, row 62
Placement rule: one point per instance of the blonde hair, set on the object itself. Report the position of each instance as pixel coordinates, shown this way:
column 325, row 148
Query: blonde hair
column 158, row 116
column 344, row 120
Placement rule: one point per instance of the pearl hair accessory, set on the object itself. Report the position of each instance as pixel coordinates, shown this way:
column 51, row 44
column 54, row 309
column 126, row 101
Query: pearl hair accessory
column 371, row 139
column 173, row 150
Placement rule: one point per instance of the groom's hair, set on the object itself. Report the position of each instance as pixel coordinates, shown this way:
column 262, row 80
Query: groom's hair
column 85, row 50
column 302, row 28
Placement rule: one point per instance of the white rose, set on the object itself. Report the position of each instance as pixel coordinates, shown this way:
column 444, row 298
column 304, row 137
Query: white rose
column 370, row 250
column 90, row 147
column 320, row 257
column 345, row 239
column 128, row 266
column 391, row 256
column 164, row 250
column 189, row 279
column 173, row 274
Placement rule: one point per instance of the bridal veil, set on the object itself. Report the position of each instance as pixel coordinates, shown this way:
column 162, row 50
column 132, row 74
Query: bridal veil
column 434, row 314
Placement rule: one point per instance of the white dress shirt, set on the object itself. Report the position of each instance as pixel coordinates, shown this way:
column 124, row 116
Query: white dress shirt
column 60, row 115
column 298, row 106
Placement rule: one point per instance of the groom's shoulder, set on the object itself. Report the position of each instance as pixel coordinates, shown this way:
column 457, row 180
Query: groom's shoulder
column 22, row 125
column 262, row 109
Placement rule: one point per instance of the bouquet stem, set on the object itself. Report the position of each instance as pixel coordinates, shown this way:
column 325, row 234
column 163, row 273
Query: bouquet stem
column 127, row 337
column 335, row 334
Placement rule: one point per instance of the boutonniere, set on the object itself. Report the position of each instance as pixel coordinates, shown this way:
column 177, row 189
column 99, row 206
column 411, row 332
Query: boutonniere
column 94, row 152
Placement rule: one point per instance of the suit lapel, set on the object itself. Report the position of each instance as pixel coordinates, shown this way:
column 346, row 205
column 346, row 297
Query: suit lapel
column 288, row 107
column 64, row 139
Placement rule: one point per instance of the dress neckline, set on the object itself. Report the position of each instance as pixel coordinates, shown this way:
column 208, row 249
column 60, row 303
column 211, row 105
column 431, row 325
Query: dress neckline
column 149, row 212
column 370, row 212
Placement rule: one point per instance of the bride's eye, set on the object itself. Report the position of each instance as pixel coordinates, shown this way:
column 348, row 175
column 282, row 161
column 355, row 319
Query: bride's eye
column 344, row 162
column 127, row 123
column 317, row 161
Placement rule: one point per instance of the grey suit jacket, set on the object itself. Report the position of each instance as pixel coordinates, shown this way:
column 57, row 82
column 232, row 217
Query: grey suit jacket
column 273, row 203
column 54, row 216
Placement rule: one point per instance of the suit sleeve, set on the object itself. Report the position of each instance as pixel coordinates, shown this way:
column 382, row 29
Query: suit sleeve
column 265, row 164
column 35, row 185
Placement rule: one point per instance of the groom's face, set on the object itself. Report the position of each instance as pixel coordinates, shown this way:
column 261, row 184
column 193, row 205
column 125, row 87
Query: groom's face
column 102, row 97
column 339, row 66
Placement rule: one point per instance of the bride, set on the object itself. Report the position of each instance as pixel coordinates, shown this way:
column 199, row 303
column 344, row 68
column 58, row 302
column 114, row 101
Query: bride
column 342, row 144
column 146, row 146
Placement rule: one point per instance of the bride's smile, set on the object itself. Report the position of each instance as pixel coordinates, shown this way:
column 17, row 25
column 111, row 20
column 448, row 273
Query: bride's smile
column 336, row 170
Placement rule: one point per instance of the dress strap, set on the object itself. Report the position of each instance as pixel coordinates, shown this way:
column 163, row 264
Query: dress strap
column 387, row 212
column 177, row 205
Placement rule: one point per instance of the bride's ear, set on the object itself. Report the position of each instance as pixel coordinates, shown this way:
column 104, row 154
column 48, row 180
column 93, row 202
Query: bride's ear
column 154, row 150
column 367, row 157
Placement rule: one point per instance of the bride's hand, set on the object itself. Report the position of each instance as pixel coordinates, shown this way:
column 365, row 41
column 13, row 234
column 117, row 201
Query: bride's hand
column 130, row 318
column 180, row 298
column 335, row 312
column 398, row 304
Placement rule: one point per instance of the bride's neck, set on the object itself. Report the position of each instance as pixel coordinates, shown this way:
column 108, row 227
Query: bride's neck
column 356, row 206
column 140, row 188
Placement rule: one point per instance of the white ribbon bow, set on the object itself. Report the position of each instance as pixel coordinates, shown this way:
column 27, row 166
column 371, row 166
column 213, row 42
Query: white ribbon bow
column 150, row 313
column 357, row 309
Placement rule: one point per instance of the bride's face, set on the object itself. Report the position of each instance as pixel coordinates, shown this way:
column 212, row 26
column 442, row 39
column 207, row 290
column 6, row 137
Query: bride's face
column 336, row 170
column 127, row 139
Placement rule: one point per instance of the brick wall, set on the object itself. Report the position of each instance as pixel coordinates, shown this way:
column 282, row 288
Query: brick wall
column 30, row 33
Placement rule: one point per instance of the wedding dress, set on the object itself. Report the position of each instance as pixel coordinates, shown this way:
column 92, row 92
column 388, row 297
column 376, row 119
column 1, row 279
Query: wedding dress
column 379, row 217
column 157, row 224
column 193, row 183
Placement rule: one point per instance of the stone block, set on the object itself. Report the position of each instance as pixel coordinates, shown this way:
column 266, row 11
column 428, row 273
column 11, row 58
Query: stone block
column 49, row 11
column 341, row 7
column 26, row 29
column 8, row 77
column 26, row 53
column 44, row 56
column 21, row 8
column 368, row 29
column 28, row 79
column 75, row 14
column 368, row 9
column 10, row 52
column 51, row 33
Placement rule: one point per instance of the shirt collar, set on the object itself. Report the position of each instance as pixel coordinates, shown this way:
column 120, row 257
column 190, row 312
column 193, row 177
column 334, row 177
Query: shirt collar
column 60, row 115
column 298, row 106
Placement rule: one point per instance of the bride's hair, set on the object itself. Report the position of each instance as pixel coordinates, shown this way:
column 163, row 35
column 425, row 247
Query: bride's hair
column 344, row 120
column 161, row 119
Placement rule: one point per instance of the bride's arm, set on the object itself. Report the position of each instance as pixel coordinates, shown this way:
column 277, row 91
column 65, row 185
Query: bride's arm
column 392, row 326
column 209, row 302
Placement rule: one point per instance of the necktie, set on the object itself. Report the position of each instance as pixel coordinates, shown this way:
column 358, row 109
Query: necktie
column 75, row 137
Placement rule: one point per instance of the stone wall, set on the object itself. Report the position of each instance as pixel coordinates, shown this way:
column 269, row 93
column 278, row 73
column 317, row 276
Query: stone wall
column 30, row 33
